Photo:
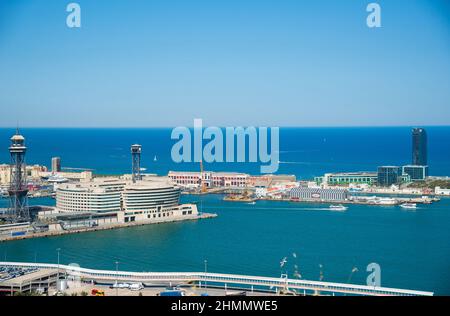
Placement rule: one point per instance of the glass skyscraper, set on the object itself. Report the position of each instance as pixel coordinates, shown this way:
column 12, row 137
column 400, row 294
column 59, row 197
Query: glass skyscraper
column 419, row 147
column 389, row 175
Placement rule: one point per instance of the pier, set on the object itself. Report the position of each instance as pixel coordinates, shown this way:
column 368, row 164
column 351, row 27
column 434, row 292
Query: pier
column 297, row 286
column 48, row 233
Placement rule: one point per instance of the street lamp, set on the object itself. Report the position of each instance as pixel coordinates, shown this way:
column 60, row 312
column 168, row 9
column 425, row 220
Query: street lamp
column 57, row 274
column 117, row 278
column 206, row 271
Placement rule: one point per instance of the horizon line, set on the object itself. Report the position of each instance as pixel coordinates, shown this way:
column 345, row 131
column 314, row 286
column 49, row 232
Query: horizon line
column 206, row 126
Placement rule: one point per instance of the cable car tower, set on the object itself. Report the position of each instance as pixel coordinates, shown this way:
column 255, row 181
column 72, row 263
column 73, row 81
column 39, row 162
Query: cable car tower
column 136, row 162
column 18, row 210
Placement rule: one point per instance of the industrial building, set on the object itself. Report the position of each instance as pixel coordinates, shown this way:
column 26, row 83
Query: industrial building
column 347, row 178
column 318, row 194
column 209, row 179
column 416, row 173
column 227, row 179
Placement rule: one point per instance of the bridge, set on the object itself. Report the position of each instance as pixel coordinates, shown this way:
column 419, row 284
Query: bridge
column 298, row 286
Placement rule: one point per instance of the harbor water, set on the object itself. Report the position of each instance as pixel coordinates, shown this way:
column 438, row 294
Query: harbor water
column 412, row 247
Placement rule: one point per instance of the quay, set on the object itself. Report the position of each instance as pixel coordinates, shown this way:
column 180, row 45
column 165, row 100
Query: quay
column 180, row 279
column 110, row 226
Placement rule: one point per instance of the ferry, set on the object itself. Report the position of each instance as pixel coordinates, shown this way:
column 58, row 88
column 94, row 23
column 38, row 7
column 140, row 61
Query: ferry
column 409, row 206
column 339, row 207
column 3, row 193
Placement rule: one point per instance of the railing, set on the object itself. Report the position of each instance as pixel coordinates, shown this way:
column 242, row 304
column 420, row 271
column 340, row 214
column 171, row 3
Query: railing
column 280, row 283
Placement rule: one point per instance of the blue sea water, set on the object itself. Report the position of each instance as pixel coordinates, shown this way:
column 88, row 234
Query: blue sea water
column 305, row 152
column 412, row 248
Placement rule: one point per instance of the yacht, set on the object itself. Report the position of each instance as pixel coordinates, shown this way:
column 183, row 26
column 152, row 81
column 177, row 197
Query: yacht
column 409, row 206
column 339, row 207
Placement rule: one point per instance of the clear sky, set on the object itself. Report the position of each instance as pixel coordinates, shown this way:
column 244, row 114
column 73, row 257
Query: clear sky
column 230, row 62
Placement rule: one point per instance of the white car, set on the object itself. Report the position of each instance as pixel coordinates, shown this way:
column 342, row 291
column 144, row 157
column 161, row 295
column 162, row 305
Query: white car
column 121, row 286
column 136, row 287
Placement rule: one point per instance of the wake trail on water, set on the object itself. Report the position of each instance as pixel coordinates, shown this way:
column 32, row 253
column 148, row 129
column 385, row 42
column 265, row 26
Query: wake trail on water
column 277, row 208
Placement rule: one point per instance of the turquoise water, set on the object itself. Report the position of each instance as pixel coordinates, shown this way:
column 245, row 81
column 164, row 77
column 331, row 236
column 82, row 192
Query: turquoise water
column 412, row 247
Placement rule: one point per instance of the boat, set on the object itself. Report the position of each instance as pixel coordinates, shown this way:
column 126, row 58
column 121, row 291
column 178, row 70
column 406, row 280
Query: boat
column 252, row 203
column 410, row 206
column 155, row 159
column 339, row 207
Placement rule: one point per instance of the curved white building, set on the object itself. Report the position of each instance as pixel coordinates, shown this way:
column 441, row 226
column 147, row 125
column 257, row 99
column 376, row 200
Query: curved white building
column 100, row 195
column 154, row 198
column 145, row 195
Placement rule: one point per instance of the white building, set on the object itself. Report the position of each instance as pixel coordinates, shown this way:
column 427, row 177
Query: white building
column 210, row 179
column 153, row 198
column 98, row 195
column 439, row 191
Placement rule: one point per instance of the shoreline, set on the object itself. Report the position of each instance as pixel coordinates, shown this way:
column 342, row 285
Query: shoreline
column 109, row 227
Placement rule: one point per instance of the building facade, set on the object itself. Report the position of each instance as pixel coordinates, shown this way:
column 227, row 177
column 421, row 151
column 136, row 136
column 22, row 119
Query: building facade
column 56, row 164
column 347, row 178
column 99, row 195
column 302, row 193
column 419, row 147
column 389, row 175
column 416, row 173
column 33, row 173
column 210, row 179
column 149, row 199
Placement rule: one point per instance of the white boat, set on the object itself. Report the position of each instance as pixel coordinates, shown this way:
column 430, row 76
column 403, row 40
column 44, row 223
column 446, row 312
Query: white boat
column 155, row 159
column 409, row 206
column 339, row 207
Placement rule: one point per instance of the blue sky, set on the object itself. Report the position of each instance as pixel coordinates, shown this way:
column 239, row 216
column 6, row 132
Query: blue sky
column 237, row 62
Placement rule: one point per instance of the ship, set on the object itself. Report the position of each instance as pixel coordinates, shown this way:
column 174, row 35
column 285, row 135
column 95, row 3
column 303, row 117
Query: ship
column 410, row 206
column 339, row 207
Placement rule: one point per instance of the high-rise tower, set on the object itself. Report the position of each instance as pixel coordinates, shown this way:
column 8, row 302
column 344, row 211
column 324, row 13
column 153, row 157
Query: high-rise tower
column 419, row 147
column 136, row 162
column 18, row 190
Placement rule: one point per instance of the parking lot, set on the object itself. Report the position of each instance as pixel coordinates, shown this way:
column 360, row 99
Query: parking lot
column 8, row 273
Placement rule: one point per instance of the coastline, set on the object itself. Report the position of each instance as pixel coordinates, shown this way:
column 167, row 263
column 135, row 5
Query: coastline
column 110, row 226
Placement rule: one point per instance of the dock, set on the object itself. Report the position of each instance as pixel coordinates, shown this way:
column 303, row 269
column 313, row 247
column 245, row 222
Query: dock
column 200, row 216
column 218, row 280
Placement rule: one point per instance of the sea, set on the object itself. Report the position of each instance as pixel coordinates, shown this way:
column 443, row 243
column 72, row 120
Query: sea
column 412, row 248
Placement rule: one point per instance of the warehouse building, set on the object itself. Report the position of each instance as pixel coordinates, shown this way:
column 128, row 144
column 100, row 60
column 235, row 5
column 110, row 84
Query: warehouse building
column 318, row 194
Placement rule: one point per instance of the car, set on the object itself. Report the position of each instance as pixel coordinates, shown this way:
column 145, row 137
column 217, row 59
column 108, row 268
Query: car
column 136, row 287
column 120, row 286
column 172, row 293
column 96, row 292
